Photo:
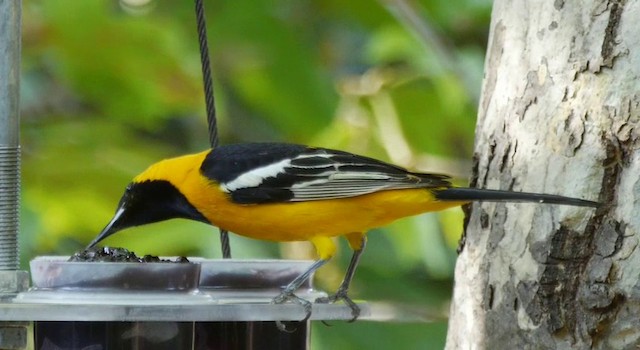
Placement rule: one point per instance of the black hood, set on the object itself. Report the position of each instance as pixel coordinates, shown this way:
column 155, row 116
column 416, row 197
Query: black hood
column 148, row 202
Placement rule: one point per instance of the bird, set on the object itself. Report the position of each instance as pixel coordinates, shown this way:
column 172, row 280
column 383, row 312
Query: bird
column 289, row 192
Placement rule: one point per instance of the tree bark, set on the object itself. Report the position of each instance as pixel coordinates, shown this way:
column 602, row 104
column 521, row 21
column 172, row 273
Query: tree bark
column 559, row 114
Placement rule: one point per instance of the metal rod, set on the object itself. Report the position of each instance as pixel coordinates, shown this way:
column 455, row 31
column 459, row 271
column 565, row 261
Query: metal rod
column 210, row 102
column 10, row 23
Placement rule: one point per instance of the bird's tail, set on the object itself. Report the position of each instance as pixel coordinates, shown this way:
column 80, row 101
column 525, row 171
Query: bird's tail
column 477, row 194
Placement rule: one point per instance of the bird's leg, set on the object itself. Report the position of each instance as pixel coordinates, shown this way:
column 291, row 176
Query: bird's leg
column 358, row 243
column 326, row 249
column 287, row 294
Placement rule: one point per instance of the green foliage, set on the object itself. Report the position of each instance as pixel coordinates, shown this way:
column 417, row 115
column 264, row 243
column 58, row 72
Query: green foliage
column 106, row 92
column 367, row 335
column 130, row 66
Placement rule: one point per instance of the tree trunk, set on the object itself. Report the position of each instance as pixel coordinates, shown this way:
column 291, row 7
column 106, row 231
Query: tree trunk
column 559, row 114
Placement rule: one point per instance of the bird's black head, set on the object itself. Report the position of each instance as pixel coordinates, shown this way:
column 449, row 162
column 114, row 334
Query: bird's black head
column 148, row 202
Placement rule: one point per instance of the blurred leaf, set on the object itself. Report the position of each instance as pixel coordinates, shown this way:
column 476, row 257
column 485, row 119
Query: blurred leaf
column 419, row 239
column 372, row 335
column 132, row 67
column 393, row 44
column 435, row 116
column 265, row 59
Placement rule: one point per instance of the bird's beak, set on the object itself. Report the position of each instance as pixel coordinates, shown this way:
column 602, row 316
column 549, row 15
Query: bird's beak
column 111, row 228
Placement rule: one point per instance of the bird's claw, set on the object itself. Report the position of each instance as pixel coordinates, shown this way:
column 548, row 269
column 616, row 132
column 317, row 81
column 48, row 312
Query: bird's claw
column 289, row 297
column 341, row 294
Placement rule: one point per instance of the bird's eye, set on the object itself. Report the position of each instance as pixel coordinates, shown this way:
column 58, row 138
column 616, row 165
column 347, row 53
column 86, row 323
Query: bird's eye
column 128, row 195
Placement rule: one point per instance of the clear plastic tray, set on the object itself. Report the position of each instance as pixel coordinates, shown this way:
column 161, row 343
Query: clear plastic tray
column 57, row 273
column 56, row 280
column 253, row 280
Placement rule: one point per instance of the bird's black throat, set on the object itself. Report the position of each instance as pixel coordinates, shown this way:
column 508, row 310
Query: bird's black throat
column 153, row 201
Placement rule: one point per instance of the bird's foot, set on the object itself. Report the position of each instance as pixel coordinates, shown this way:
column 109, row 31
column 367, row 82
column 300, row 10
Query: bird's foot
column 288, row 297
column 341, row 294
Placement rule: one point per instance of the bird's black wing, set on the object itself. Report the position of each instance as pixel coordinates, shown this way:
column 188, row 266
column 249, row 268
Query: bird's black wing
column 273, row 172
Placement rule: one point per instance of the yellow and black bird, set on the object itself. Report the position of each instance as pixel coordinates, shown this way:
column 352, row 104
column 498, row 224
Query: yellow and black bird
column 287, row 192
